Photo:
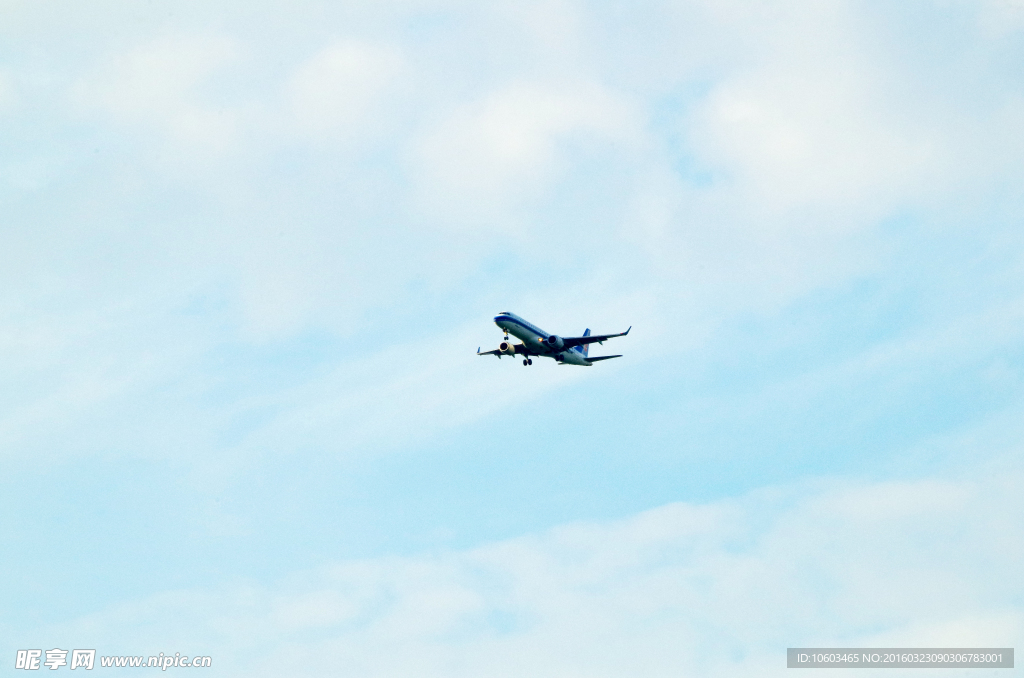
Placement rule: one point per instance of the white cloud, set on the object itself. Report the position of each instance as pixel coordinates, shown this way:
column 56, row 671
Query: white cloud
column 74, row 370
column 716, row 589
column 798, row 120
column 159, row 85
column 1001, row 17
column 398, row 395
column 505, row 148
column 338, row 90
column 810, row 129
column 792, row 140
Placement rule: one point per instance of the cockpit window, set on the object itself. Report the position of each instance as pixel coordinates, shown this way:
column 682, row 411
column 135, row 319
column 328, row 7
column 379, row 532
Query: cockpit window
column 504, row 313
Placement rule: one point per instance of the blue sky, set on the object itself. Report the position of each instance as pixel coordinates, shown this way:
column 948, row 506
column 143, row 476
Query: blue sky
column 249, row 251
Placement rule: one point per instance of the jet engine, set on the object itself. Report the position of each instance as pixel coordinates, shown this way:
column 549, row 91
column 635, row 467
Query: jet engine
column 507, row 348
column 554, row 342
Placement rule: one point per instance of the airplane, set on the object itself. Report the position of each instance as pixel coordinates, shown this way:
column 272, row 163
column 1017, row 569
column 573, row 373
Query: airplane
column 537, row 342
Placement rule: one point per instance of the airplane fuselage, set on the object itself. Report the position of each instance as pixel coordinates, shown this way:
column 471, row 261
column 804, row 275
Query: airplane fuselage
column 535, row 340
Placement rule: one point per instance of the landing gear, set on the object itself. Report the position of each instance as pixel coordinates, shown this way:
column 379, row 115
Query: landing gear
column 527, row 361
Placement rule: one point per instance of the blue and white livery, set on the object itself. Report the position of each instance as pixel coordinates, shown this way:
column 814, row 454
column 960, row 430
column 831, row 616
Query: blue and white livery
column 537, row 342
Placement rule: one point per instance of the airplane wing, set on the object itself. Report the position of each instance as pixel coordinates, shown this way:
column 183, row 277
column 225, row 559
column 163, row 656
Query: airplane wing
column 570, row 342
column 520, row 350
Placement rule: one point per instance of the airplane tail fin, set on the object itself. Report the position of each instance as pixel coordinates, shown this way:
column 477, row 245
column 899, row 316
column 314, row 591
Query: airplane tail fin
column 586, row 347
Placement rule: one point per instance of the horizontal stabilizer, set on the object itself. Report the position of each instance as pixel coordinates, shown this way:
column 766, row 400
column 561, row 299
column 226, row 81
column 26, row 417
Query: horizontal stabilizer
column 604, row 357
